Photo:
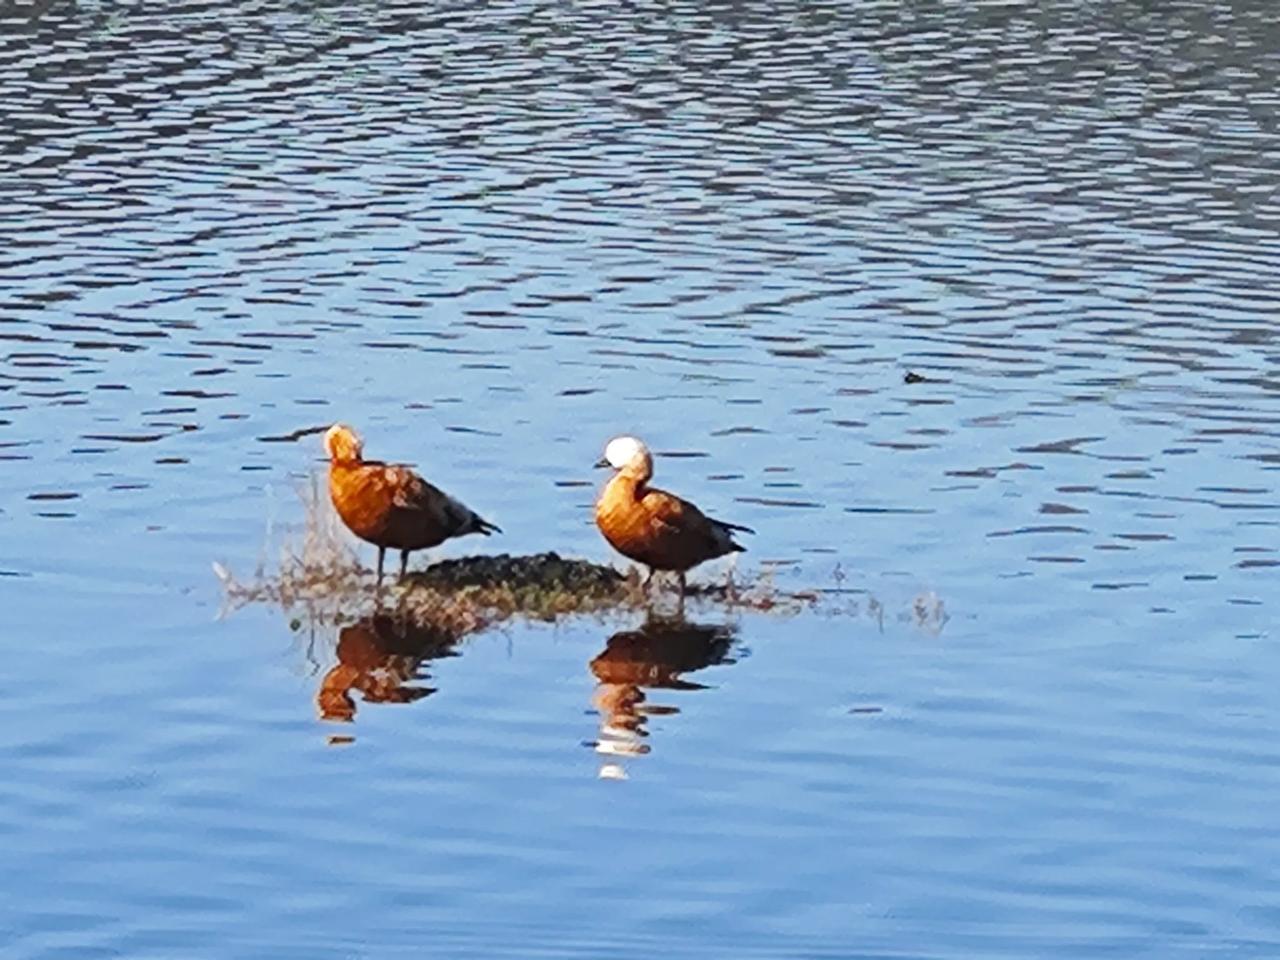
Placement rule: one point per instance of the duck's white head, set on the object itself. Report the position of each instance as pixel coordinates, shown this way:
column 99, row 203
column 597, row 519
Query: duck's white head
column 623, row 453
column 343, row 444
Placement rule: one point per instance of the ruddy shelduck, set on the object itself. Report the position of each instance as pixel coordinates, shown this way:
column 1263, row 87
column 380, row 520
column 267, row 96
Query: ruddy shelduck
column 390, row 506
column 651, row 526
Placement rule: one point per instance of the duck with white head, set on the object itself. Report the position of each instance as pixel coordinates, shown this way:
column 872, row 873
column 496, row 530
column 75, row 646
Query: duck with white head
column 654, row 527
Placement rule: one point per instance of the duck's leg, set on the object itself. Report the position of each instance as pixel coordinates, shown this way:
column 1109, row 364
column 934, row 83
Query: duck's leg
column 644, row 589
column 404, row 563
column 382, row 552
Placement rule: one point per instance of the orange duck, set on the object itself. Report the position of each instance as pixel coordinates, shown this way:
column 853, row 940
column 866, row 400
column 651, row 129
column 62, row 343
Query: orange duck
column 651, row 526
column 389, row 505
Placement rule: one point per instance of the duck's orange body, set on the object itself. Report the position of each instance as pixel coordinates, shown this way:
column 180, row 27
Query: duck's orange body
column 659, row 529
column 391, row 506
column 653, row 527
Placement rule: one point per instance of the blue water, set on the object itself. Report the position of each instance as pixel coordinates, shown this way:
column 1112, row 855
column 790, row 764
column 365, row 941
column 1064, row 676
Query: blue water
column 1036, row 720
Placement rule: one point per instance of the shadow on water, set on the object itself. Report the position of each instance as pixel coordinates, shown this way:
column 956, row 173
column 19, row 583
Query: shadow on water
column 654, row 656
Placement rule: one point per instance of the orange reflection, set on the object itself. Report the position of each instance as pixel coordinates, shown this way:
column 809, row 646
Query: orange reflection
column 380, row 657
column 653, row 657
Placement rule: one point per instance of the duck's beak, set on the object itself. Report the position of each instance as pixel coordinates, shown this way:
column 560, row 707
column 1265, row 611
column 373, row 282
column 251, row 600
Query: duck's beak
column 601, row 464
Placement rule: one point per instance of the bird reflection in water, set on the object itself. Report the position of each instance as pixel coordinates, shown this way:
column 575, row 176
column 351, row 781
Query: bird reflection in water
column 653, row 657
column 381, row 657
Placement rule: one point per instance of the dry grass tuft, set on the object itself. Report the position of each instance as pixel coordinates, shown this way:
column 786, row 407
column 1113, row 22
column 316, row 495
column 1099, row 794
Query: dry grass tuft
column 318, row 564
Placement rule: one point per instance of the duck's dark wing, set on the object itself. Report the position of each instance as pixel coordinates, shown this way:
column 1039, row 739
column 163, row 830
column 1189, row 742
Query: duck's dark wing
column 451, row 518
column 674, row 516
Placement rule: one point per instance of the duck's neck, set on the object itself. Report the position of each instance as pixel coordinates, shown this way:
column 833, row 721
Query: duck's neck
column 639, row 468
column 629, row 484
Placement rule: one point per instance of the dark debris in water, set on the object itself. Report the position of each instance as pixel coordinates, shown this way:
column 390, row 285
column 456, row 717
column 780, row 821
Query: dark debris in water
column 911, row 377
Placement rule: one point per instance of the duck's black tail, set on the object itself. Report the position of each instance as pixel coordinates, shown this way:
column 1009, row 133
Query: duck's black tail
column 480, row 525
column 726, row 531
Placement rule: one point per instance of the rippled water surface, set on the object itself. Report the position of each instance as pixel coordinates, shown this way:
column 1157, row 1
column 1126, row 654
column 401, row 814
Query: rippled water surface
column 969, row 310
